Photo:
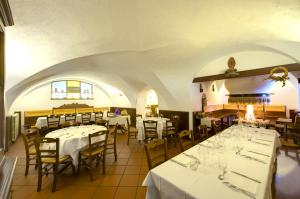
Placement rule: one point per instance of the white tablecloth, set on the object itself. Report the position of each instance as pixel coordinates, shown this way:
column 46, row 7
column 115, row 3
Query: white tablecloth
column 171, row 180
column 73, row 139
column 42, row 121
column 207, row 121
column 161, row 124
column 121, row 120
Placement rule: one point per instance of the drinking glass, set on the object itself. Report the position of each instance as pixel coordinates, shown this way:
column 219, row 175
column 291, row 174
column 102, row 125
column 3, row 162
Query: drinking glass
column 222, row 165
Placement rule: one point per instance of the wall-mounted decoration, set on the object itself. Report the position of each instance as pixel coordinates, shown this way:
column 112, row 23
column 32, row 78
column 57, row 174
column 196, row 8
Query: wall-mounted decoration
column 213, row 88
column 231, row 71
column 201, row 89
column 281, row 77
column 203, row 101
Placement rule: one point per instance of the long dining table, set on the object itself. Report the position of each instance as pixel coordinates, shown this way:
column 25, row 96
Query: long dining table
column 237, row 163
column 73, row 139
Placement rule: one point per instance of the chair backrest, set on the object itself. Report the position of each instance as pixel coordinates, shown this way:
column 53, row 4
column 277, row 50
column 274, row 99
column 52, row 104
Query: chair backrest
column 203, row 130
column 176, row 121
column 128, row 125
column 28, row 138
column 85, row 118
column 150, row 126
column 103, row 122
column 156, row 152
column 170, row 126
column 53, row 121
column 297, row 119
column 47, row 148
column 110, row 114
column 98, row 139
column 138, row 116
column 98, row 116
column 186, row 139
column 70, row 118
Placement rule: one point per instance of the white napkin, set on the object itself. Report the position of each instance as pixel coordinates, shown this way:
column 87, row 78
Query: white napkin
column 182, row 159
column 241, row 182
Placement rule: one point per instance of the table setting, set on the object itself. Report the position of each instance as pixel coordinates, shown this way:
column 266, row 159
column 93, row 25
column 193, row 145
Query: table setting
column 73, row 139
column 236, row 163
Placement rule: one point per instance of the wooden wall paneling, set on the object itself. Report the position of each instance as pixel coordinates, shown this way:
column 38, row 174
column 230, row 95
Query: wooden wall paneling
column 247, row 73
column 184, row 118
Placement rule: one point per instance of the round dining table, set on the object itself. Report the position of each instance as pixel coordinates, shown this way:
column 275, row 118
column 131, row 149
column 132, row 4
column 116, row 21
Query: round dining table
column 73, row 139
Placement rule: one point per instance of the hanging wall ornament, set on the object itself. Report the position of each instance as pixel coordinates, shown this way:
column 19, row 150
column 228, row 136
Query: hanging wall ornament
column 274, row 76
column 231, row 71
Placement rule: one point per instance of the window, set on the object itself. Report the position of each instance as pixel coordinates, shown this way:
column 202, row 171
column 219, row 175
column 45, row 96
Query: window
column 71, row 89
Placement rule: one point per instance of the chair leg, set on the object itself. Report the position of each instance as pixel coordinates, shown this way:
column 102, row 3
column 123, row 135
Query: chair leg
column 40, row 175
column 55, row 173
column 115, row 152
column 90, row 169
column 128, row 138
column 79, row 163
column 103, row 162
column 27, row 166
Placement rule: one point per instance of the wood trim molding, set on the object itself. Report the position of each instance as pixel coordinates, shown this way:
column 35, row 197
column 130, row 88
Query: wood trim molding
column 5, row 13
column 247, row 73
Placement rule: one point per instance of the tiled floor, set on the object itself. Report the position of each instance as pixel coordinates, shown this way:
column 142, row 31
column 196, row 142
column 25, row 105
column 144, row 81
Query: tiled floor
column 124, row 177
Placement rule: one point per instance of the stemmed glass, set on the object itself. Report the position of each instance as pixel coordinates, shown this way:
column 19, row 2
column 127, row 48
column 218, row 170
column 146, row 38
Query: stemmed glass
column 222, row 164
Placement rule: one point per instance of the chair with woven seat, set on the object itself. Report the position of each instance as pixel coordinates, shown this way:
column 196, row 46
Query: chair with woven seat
column 103, row 122
column 111, row 146
column 131, row 131
column 49, row 159
column 186, row 140
column 86, row 118
column 28, row 138
column 96, row 150
column 156, row 152
column 170, row 132
column 292, row 142
column 53, row 122
column 150, row 129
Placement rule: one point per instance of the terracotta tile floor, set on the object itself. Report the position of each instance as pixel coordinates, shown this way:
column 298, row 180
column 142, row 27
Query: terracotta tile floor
column 124, row 177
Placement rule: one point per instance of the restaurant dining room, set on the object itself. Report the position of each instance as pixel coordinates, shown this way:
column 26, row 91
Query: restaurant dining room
column 129, row 99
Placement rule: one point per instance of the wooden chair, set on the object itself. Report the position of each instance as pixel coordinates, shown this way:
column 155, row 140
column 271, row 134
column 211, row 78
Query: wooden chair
column 111, row 146
column 138, row 116
column 186, row 140
column 28, row 138
column 292, row 142
column 295, row 127
column 156, row 151
column 53, row 122
column 176, row 122
column 98, row 116
column 103, row 123
column 150, row 129
column 131, row 131
column 86, row 118
column 70, row 120
column 96, row 150
column 170, row 132
column 202, row 133
column 49, row 159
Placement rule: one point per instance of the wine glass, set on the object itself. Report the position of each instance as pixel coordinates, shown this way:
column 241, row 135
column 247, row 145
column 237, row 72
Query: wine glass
column 222, row 164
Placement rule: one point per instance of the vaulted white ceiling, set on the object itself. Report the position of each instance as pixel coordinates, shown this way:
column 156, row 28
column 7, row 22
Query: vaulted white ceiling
column 133, row 43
